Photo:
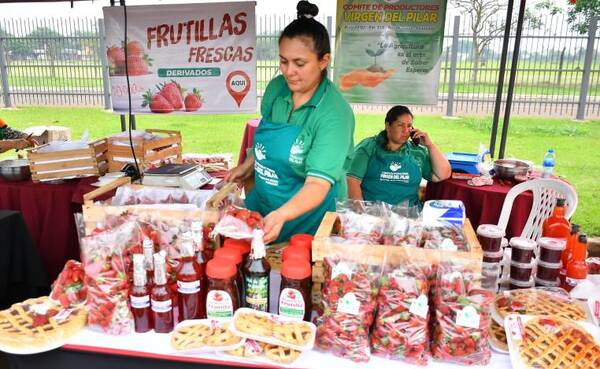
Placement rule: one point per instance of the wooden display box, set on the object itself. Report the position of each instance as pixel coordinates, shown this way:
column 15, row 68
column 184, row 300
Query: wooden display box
column 90, row 161
column 330, row 225
column 166, row 148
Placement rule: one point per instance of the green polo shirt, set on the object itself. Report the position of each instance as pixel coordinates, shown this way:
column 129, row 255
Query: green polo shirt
column 325, row 142
column 369, row 146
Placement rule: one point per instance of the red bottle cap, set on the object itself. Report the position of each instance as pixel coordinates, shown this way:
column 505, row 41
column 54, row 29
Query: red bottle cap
column 219, row 268
column 295, row 252
column 296, row 269
column 230, row 254
column 242, row 246
column 302, row 239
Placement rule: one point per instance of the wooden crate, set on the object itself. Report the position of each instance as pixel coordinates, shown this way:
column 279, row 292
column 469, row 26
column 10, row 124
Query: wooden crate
column 167, row 148
column 90, row 161
column 374, row 254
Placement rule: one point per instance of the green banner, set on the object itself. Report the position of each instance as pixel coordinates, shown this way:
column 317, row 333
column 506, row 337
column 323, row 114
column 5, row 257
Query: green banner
column 388, row 51
column 189, row 72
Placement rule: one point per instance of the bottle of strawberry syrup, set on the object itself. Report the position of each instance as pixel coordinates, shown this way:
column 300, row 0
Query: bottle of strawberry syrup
column 189, row 283
column 162, row 303
column 140, row 296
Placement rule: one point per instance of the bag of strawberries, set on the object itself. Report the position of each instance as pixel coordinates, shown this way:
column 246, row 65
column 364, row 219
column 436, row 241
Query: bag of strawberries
column 68, row 289
column 349, row 302
column 462, row 315
column 239, row 223
column 107, row 281
column 401, row 330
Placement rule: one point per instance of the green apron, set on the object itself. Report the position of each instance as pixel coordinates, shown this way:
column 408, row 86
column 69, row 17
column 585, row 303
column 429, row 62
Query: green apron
column 276, row 182
column 392, row 177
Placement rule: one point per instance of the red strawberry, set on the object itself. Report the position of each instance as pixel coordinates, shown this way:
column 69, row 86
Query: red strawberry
column 137, row 65
column 116, row 55
column 193, row 101
column 39, row 320
column 172, row 91
column 135, row 48
column 157, row 103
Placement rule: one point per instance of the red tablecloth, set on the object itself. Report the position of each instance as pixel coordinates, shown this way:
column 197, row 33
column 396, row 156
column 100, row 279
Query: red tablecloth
column 248, row 139
column 48, row 212
column 483, row 204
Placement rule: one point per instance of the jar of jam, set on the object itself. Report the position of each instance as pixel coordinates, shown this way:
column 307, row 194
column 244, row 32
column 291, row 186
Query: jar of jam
column 547, row 271
column 490, row 237
column 295, row 290
column 295, row 251
column 233, row 256
column 222, row 293
column 302, row 239
column 551, row 249
column 242, row 246
column 520, row 271
column 544, row 283
column 523, row 249
column 515, row 285
column 493, row 257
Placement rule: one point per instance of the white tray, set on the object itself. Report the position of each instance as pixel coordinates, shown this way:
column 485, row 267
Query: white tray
column 203, row 349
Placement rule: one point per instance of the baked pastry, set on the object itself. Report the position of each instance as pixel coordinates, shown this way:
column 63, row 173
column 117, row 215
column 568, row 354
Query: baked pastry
column 38, row 323
column 498, row 336
column 190, row 337
column 222, row 336
column 293, row 332
column 279, row 354
column 538, row 302
column 255, row 324
column 250, row 348
column 555, row 343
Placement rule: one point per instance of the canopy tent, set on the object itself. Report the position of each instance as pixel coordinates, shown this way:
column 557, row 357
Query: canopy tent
column 501, row 74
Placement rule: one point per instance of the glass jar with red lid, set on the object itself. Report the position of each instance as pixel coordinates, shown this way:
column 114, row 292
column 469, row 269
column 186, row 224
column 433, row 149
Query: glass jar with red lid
column 295, row 291
column 233, row 255
column 222, row 297
column 295, row 252
column 242, row 246
column 302, row 239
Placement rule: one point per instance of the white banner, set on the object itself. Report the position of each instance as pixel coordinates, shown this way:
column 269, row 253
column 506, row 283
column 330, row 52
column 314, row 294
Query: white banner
column 185, row 59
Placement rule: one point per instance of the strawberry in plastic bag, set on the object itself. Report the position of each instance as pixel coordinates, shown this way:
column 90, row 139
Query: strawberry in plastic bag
column 462, row 313
column 68, row 289
column 349, row 302
column 239, row 223
column 401, row 327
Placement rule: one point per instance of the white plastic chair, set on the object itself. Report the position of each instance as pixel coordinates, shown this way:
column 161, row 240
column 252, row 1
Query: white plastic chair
column 545, row 191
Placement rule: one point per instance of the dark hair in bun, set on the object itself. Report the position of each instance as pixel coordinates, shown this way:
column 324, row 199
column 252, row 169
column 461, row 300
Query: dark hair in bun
column 307, row 26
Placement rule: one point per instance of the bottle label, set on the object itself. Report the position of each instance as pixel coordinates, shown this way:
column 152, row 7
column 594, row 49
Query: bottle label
column 468, row 317
column 188, row 288
column 257, row 292
column 218, row 304
column 162, row 306
column 140, row 302
column 291, row 303
column 349, row 304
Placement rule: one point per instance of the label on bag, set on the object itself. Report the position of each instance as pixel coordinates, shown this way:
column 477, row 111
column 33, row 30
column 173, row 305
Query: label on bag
column 348, row 304
column 218, row 305
column 341, row 268
column 420, row 307
column 468, row 317
column 515, row 328
column 140, row 302
column 291, row 303
column 188, row 288
column 162, row 306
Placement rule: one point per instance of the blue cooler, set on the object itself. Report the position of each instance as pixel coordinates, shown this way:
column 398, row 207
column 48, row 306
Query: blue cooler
column 462, row 162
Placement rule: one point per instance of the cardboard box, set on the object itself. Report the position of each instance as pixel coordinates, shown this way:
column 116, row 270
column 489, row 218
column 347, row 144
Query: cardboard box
column 45, row 134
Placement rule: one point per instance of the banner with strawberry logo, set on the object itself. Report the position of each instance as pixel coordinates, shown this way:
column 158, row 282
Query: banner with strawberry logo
column 184, row 59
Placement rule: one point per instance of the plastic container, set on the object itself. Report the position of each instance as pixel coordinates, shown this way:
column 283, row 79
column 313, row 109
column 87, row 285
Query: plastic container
column 523, row 249
column 547, row 271
column 233, row 255
column 222, row 298
column 493, row 257
column 295, row 299
column 242, row 246
column 515, row 285
column 544, row 283
column 490, row 236
column 504, row 242
column 302, row 239
column 490, row 273
column 295, row 252
column 548, row 164
column 520, row 271
column 551, row 249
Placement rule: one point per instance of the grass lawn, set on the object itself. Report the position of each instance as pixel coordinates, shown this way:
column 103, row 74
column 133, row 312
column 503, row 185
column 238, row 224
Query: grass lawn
column 574, row 142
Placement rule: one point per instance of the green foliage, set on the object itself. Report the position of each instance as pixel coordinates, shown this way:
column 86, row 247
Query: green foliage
column 580, row 14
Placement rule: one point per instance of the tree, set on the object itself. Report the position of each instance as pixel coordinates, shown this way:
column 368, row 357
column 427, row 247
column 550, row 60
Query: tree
column 580, row 14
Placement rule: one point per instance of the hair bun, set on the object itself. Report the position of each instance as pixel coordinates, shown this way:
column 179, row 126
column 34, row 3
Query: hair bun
column 306, row 9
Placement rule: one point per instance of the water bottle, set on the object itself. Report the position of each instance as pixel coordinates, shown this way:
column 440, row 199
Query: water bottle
column 548, row 165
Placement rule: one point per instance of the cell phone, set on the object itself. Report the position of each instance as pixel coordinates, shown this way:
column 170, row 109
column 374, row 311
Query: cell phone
column 415, row 140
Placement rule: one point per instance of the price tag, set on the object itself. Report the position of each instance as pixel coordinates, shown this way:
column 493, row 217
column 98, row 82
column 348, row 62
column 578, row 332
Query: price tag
column 349, row 304
column 341, row 268
column 468, row 317
column 420, row 307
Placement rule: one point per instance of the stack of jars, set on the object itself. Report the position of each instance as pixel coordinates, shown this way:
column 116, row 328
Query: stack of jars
column 522, row 261
column 549, row 262
column 490, row 237
column 295, row 299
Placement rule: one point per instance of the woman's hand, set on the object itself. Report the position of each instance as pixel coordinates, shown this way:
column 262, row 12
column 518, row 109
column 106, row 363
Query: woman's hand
column 242, row 172
column 22, row 143
column 273, row 223
column 423, row 137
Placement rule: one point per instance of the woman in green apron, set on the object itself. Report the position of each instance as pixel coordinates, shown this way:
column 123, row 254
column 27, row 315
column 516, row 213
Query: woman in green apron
column 303, row 143
column 389, row 166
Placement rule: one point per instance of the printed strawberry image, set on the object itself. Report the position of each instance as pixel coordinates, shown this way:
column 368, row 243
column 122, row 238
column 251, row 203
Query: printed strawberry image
column 173, row 92
column 157, row 103
column 218, row 297
column 291, row 295
column 193, row 101
column 137, row 60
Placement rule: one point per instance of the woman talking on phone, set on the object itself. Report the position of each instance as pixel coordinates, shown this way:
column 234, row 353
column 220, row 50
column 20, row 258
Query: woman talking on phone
column 389, row 166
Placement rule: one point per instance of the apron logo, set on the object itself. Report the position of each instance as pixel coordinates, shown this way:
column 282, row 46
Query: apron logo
column 260, row 152
column 296, row 152
column 395, row 166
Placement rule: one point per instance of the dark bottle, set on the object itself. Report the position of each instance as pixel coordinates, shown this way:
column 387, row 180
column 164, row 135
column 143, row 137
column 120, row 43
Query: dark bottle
column 256, row 275
column 222, row 293
column 162, row 303
column 295, row 299
column 189, row 283
column 140, row 297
